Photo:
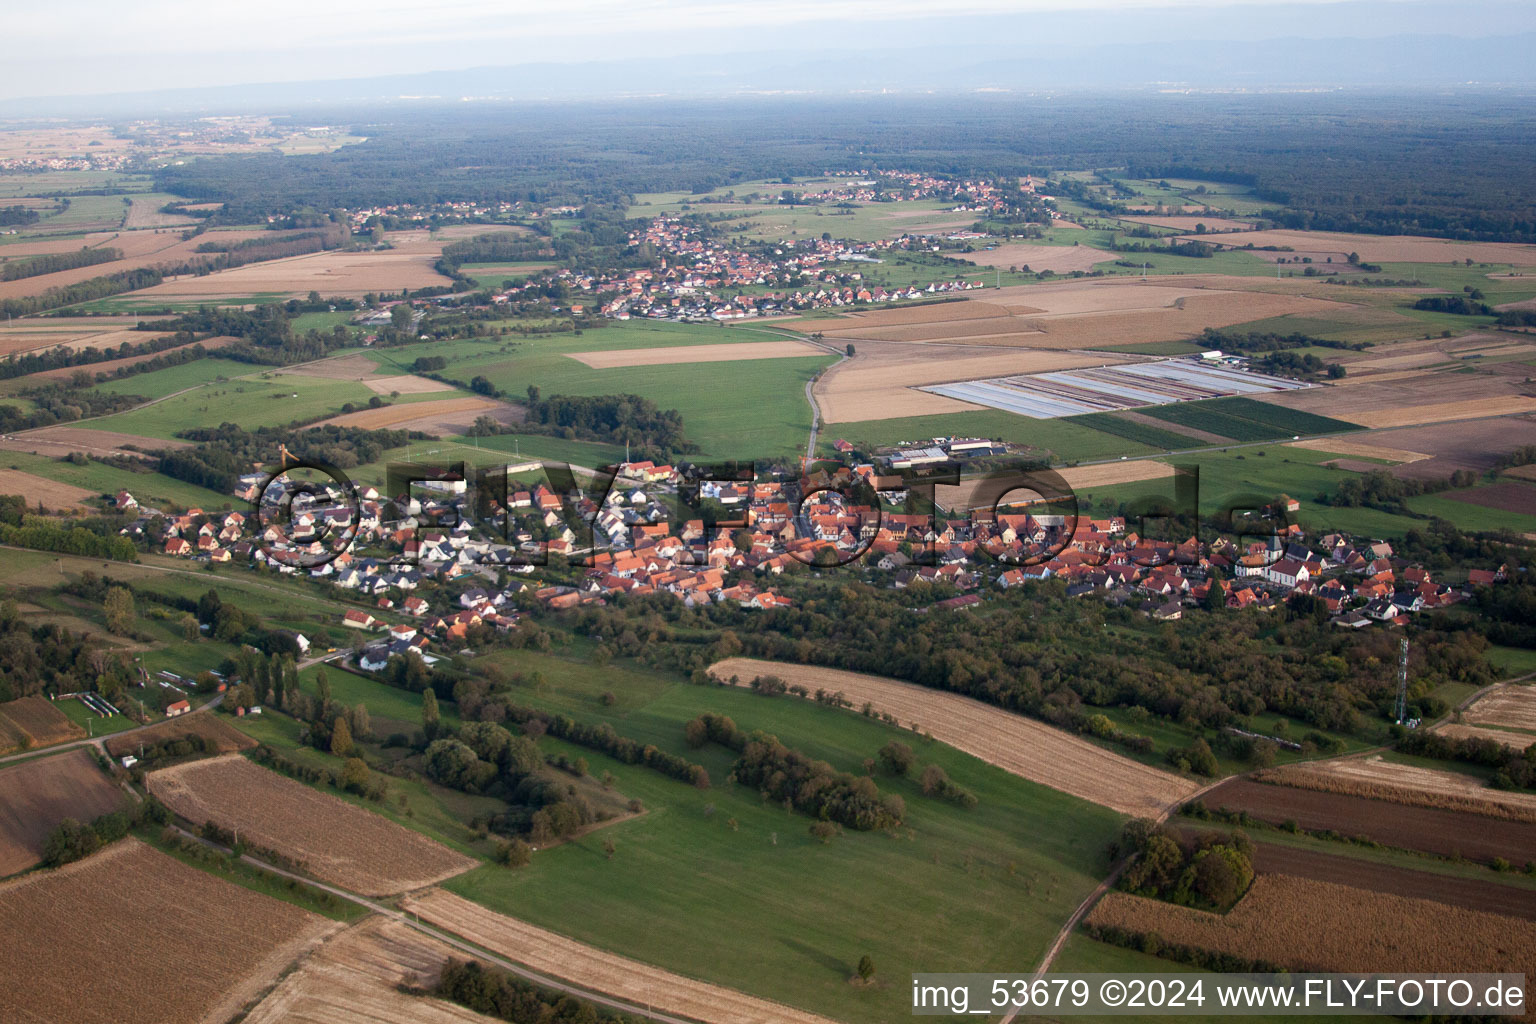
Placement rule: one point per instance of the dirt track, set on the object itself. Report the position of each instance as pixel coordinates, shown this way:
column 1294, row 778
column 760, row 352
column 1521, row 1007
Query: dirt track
column 1016, row 744
column 593, row 968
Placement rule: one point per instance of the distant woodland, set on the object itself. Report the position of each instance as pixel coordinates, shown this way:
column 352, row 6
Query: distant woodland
column 1454, row 166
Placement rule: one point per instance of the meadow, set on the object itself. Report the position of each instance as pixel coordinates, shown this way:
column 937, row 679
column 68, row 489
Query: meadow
column 953, row 889
column 744, row 409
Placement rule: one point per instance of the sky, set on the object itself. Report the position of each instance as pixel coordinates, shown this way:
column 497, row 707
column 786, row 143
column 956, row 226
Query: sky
column 75, row 47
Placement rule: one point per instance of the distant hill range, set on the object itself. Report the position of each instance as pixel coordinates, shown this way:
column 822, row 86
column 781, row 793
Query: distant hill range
column 1397, row 63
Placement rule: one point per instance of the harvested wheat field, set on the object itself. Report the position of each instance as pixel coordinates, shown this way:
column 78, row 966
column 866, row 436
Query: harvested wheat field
column 50, row 493
column 335, row 841
column 881, row 377
column 24, row 336
column 1188, row 221
column 221, row 737
column 405, row 384
column 1469, row 893
column 1023, row 746
column 36, row 795
column 441, row 416
column 61, row 440
column 357, row 367
column 132, row 936
column 139, row 249
column 730, row 353
column 355, row 977
column 1061, row 259
column 37, row 719
column 1385, row 248
column 1513, row 740
column 1360, row 449
column 1307, row 925
column 1083, row 316
column 1441, row 412
column 335, row 273
column 1405, row 784
column 1512, row 706
column 963, row 496
column 592, row 968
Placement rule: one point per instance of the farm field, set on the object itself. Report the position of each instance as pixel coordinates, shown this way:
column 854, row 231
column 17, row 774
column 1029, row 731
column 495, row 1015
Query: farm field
column 337, row 273
column 568, row 960
column 336, row 841
column 221, row 736
column 1245, row 419
column 1383, row 248
column 1308, row 925
column 753, row 408
column 1108, row 474
column 434, row 416
column 1074, row 315
column 1510, row 707
column 1242, row 475
column 1111, row 389
column 607, row 359
column 953, row 889
column 33, row 721
column 251, row 400
column 1061, row 259
column 151, row 489
column 139, row 249
column 1407, row 784
column 1063, row 441
column 884, row 376
column 216, row 945
column 1513, row 740
column 1443, row 832
column 1134, row 426
column 1028, row 748
column 355, row 976
column 36, row 795
column 1479, row 894
column 111, row 366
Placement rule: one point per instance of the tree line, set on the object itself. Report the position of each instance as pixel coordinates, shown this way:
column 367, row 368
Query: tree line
column 53, row 262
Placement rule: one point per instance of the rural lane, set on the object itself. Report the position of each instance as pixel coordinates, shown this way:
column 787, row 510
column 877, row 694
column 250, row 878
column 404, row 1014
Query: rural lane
column 451, row 939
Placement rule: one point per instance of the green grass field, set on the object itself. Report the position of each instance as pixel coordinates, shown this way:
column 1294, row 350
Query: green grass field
column 1244, row 419
column 1140, row 433
column 151, row 489
column 1067, row 441
column 261, row 399
column 983, row 889
column 748, row 409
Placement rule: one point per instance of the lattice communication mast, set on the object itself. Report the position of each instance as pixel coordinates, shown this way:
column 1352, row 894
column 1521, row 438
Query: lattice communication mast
column 1402, row 682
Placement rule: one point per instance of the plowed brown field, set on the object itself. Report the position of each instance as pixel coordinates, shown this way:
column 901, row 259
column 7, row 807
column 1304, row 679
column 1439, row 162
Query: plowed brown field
column 1469, row 893
column 36, row 795
column 35, row 717
column 591, row 968
column 1407, row 784
column 1448, row 833
column 131, row 936
column 1016, row 744
column 221, row 736
column 353, row 978
column 336, row 841
column 1308, row 925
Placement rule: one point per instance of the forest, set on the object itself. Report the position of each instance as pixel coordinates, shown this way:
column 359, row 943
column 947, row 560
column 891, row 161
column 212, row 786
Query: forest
column 1424, row 165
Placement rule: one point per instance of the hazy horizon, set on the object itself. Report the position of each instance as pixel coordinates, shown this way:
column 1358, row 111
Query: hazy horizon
column 85, row 48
